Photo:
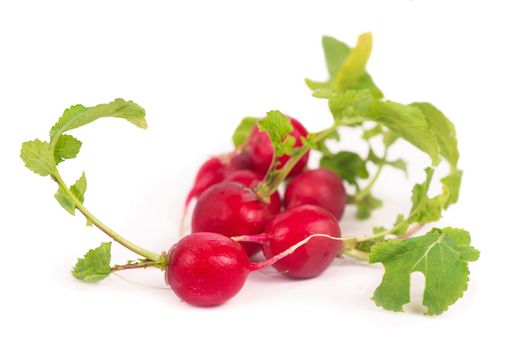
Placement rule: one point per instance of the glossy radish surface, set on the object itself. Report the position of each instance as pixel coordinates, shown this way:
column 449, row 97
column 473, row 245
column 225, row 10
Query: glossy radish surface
column 250, row 179
column 231, row 209
column 320, row 187
column 211, row 172
column 207, row 269
column 261, row 150
column 294, row 225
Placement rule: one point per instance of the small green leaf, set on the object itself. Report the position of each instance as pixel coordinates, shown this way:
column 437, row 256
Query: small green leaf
column 444, row 131
column 65, row 201
column 442, row 255
column 37, row 157
column 400, row 226
column 336, row 53
column 370, row 133
column 425, row 209
column 95, row 266
column 67, row 147
column 78, row 190
column 398, row 164
column 366, row 206
column 352, row 68
column 452, row 183
column 243, row 131
column 79, row 115
column 278, row 127
column 348, row 165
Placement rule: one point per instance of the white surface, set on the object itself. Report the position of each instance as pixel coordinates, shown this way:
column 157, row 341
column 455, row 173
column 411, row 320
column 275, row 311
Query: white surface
column 198, row 68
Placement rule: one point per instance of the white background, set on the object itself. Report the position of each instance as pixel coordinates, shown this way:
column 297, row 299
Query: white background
column 198, row 68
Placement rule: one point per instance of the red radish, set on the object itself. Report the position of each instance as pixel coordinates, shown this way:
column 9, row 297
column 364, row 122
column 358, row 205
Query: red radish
column 250, row 179
column 211, row 172
column 231, row 209
column 296, row 224
column 320, row 187
column 261, row 150
column 240, row 160
column 207, row 269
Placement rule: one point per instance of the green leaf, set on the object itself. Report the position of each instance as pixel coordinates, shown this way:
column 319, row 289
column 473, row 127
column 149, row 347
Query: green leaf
column 243, row 131
column 351, row 103
column 425, row 209
column 398, row 164
column 95, row 266
column 278, row 127
column 352, row 69
column 400, row 226
column 336, row 54
column 67, row 147
column 444, row 131
column 366, row 206
column 348, row 165
column 37, row 157
column 370, row 133
column 409, row 123
column 442, row 255
column 79, row 115
column 78, row 190
column 452, row 183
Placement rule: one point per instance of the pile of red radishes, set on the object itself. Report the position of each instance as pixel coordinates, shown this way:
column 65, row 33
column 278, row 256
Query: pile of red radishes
column 209, row 266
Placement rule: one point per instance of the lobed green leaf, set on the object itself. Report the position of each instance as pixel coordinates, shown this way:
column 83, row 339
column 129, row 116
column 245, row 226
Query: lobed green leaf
column 442, row 255
column 95, row 265
column 278, row 127
column 348, row 165
column 67, row 147
column 37, row 157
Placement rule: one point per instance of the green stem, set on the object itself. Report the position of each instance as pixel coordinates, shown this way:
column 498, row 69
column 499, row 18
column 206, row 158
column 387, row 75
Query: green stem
column 357, row 254
column 137, row 265
column 274, row 177
column 108, row 231
column 366, row 191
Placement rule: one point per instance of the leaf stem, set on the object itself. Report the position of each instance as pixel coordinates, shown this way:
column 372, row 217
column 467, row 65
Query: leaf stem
column 366, row 191
column 275, row 177
column 155, row 257
column 137, row 265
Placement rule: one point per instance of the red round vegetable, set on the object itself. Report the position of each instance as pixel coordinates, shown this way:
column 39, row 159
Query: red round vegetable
column 231, row 209
column 296, row 224
column 250, row 179
column 211, row 172
column 320, row 187
column 261, row 150
column 206, row 269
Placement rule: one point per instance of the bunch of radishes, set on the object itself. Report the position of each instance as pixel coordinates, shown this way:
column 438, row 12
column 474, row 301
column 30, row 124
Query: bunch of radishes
column 239, row 209
column 208, row 267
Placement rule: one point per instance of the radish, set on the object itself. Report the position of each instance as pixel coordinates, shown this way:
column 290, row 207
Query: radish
column 207, row 269
column 320, row 187
column 261, row 151
column 296, row 224
column 211, row 172
column 250, row 179
column 215, row 170
column 232, row 209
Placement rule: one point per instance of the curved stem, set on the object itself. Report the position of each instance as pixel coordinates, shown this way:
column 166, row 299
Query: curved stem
column 366, row 191
column 108, row 231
